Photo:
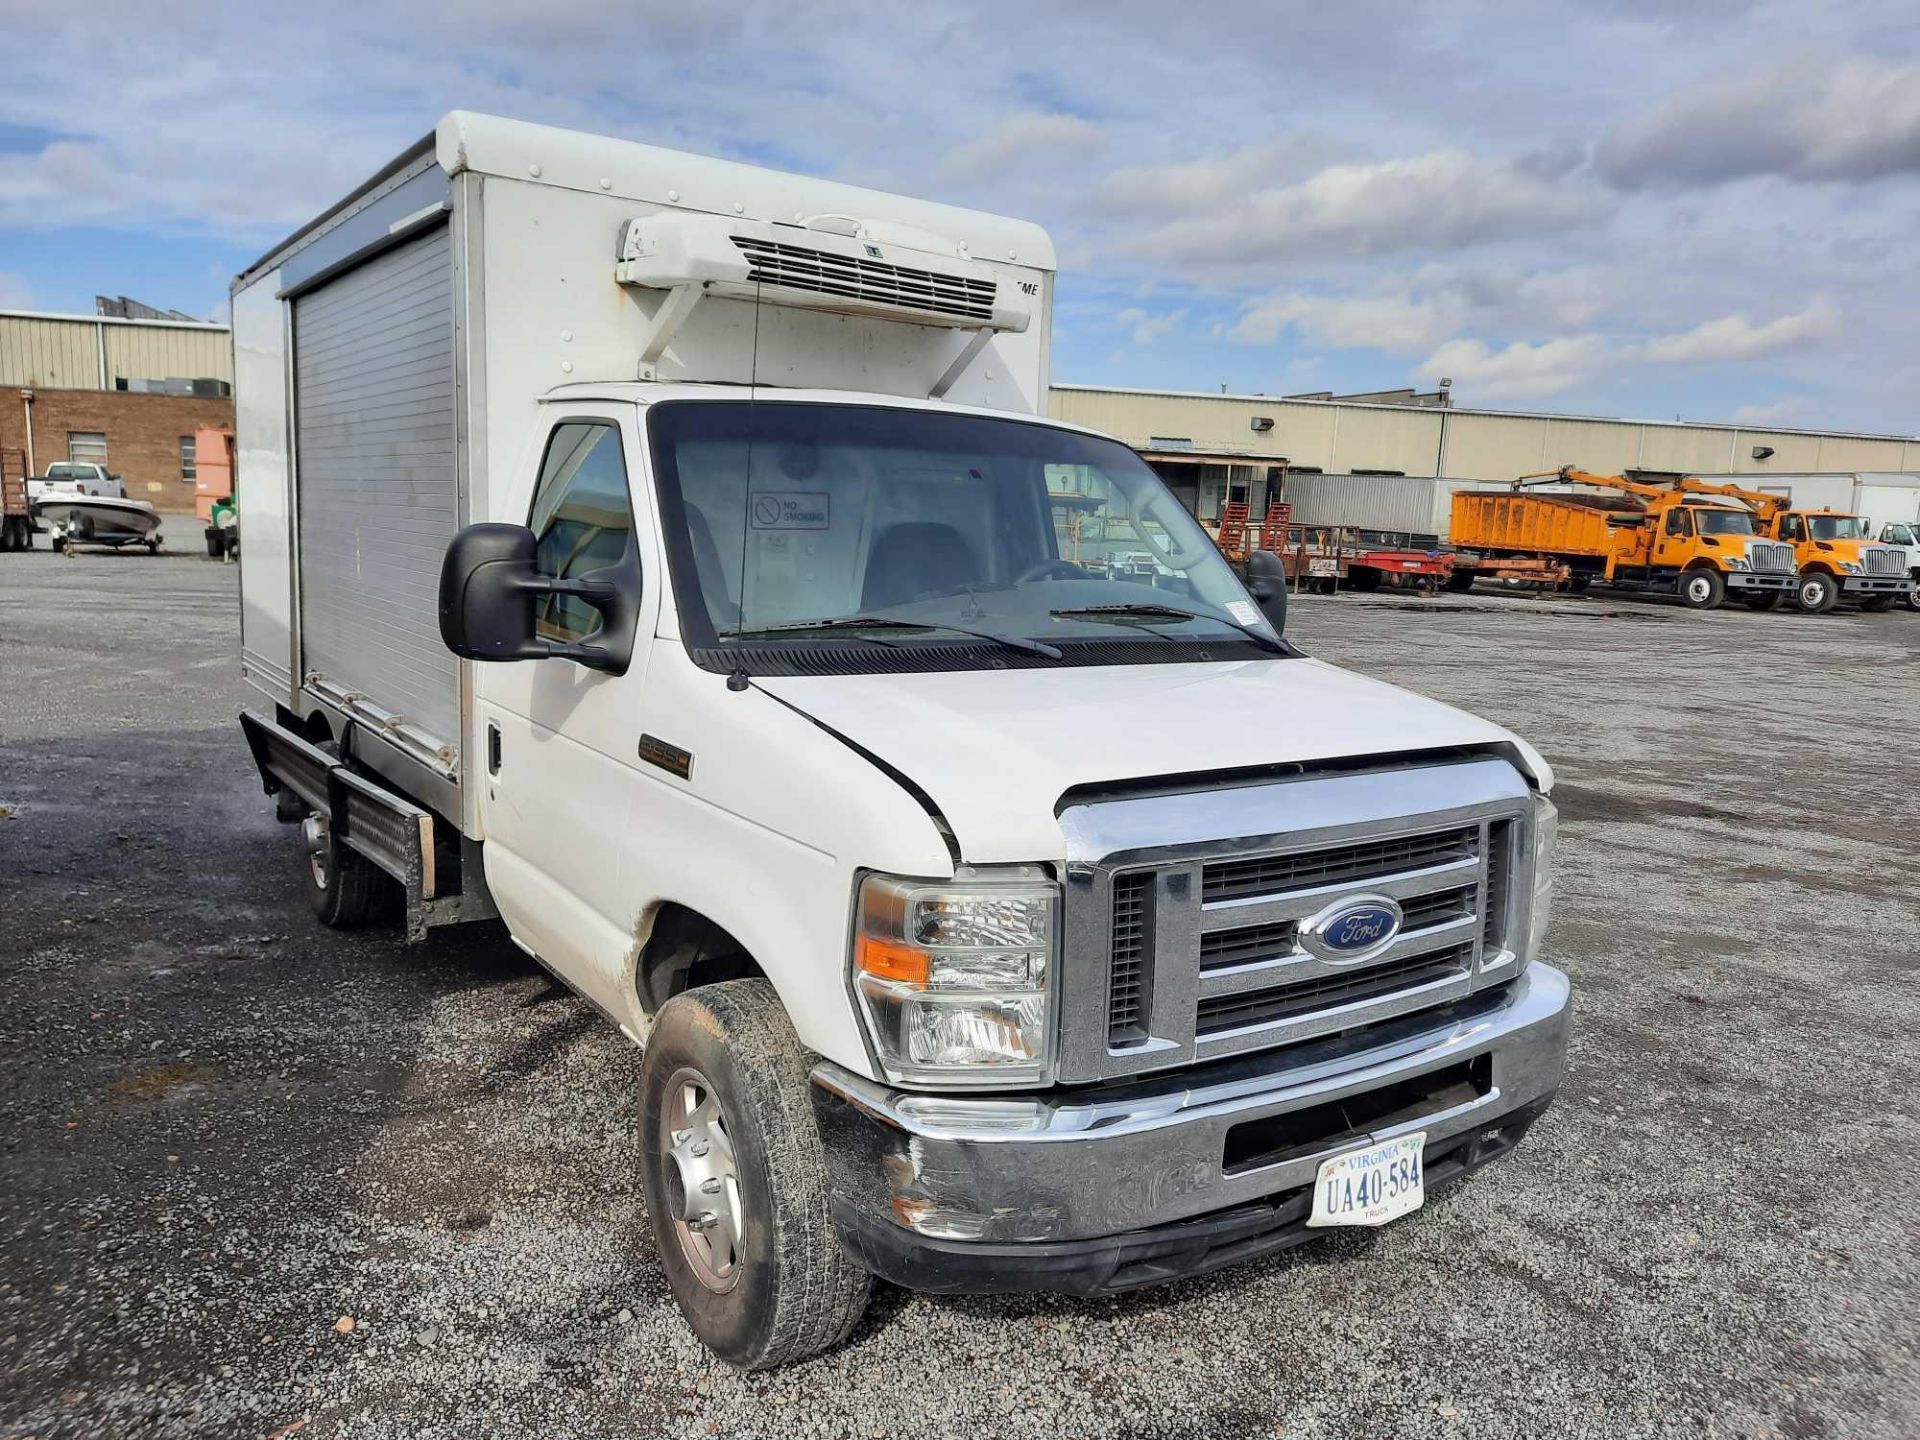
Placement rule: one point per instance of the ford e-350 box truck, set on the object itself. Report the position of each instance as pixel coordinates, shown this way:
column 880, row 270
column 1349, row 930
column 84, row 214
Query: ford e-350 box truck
column 673, row 559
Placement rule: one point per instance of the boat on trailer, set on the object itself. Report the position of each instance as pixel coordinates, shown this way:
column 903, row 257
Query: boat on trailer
column 109, row 520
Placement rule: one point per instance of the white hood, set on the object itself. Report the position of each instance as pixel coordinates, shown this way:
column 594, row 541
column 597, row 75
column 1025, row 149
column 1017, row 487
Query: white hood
column 995, row 749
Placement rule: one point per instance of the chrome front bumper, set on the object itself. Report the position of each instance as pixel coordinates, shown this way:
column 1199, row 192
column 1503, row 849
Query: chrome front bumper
column 1057, row 1191
column 1875, row 584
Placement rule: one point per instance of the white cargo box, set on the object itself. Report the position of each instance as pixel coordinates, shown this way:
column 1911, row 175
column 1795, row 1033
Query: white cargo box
column 389, row 355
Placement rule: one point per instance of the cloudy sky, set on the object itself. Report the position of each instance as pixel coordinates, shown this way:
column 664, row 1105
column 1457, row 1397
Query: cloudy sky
column 1709, row 208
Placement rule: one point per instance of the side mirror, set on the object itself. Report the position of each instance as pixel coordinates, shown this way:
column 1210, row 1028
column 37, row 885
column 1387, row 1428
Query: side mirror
column 490, row 589
column 1267, row 583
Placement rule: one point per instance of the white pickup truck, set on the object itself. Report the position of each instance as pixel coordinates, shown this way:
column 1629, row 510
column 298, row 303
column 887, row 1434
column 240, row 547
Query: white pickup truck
column 672, row 558
column 75, row 477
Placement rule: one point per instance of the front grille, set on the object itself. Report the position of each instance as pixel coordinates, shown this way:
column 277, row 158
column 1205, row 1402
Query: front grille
column 799, row 267
column 1881, row 561
column 1127, row 979
column 1770, row 556
column 1280, row 1002
column 1204, row 924
column 1236, row 879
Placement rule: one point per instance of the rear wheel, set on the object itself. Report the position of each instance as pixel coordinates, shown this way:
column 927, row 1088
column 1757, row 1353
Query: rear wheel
column 343, row 887
column 1580, row 582
column 1459, row 582
column 1703, row 589
column 1763, row 600
column 1817, row 592
column 1877, row 604
column 738, row 1195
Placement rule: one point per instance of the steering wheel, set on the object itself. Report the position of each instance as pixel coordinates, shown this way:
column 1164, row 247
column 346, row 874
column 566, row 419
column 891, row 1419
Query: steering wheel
column 1051, row 570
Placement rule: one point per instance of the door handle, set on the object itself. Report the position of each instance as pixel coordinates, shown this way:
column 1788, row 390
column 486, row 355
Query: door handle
column 493, row 749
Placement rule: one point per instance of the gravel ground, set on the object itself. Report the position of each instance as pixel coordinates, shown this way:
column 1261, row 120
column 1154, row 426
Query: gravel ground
column 227, row 1133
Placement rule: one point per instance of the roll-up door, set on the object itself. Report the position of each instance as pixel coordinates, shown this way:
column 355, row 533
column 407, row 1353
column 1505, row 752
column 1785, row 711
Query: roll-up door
column 374, row 424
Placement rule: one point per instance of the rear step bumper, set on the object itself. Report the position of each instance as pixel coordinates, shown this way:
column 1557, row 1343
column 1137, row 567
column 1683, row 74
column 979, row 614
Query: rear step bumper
column 388, row 829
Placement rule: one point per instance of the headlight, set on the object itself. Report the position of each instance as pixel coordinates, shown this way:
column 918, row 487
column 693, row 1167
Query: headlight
column 955, row 977
column 1737, row 563
column 1852, row 567
column 1546, row 830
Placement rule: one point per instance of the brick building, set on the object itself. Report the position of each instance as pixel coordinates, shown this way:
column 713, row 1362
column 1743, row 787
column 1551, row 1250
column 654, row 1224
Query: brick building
column 129, row 393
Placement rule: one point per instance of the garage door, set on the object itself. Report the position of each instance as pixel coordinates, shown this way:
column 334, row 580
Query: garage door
column 374, row 421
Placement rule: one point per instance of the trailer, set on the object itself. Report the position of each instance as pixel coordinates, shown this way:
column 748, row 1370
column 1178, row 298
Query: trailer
column 16, row 517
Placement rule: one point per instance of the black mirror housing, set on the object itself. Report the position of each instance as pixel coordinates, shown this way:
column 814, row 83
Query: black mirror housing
column 1267, row 583
column 489, row 584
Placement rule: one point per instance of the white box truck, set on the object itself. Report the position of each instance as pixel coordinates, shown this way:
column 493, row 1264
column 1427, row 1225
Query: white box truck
column 671, row 558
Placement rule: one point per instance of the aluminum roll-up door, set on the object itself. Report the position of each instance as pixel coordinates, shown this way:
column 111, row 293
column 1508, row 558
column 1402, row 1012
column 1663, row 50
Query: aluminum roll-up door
column 374, row 425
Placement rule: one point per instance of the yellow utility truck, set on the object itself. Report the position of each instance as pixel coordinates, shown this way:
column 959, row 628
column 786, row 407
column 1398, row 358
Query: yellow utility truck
column 1680, row 538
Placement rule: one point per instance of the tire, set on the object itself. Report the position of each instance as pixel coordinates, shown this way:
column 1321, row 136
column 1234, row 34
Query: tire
column 344, row 888
column 768, row 1284
column 1913, row 595
column 1817, row 592
column 1877, row 604
column 1764, row 600
column 1580, row 583
column 153, row 547
column 1459, row 582
column 1364, row 578
column 1703, row 589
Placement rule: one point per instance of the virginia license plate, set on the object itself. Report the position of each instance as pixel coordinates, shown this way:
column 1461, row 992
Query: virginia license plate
column 1371, row 1186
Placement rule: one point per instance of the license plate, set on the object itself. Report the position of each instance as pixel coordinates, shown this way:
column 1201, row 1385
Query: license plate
column 1371, row 1186
column 1323, row 567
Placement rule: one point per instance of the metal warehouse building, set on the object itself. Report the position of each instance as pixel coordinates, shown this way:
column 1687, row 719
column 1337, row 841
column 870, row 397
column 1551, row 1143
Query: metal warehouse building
column 128, row 393
column 1200, row 442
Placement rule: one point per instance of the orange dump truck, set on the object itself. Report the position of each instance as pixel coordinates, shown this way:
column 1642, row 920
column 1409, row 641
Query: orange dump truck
column 1671, row 538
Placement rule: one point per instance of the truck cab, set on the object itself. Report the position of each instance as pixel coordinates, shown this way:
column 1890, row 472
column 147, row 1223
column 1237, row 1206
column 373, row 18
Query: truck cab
column 720, row 613
column 1906, row 539
column 1709, row 549
column 1837, row 558
column 76, row 477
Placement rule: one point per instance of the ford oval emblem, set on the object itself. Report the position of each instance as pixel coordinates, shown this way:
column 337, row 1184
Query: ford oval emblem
column 1351, row 929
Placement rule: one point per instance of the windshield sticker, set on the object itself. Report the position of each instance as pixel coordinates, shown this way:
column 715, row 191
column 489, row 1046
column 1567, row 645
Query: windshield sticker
column 1243, row 612
column 789, row 510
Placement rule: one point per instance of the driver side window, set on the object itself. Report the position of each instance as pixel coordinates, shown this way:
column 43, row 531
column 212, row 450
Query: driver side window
column 582, row 519
column 1679, row 522
column 1793, row 529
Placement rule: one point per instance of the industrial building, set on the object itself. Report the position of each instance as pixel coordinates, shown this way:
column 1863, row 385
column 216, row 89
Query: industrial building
column 129, row 393
column 1202, row 443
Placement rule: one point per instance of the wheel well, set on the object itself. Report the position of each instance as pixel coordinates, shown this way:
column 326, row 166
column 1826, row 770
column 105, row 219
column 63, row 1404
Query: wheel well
column 685, row 950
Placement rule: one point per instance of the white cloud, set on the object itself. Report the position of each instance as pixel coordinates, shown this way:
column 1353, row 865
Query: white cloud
column 1851, row 119
column 1398, row 324
column 1778, row 412
column 1734, row 338
column 1143, row 327
column 1024, row 139
column 1440, row 200
column 1521, row 370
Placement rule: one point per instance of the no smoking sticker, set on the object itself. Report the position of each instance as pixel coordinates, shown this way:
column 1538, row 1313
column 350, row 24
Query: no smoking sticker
column 789, row 510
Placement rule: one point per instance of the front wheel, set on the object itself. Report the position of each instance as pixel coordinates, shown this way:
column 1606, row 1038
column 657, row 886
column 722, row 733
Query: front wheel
column 738, row 1196
column 1703, row 589
column 1817, row 592
column 1913, row 595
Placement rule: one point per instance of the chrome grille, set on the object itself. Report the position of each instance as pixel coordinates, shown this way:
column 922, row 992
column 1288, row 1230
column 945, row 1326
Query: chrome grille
column 1126, row 983
column 799, row 267
column 1881, row 560
column 1770, row 556
column 1192, row 950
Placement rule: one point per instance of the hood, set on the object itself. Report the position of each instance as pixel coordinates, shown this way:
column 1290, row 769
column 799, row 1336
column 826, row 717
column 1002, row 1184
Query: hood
column 995, row 749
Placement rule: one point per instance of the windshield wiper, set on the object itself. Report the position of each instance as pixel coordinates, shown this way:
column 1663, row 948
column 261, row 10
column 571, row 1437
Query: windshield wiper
column 1149, row 612
column 892, row 622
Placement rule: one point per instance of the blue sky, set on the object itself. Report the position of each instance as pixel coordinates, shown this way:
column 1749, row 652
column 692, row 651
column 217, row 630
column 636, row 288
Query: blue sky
column 1705, row 209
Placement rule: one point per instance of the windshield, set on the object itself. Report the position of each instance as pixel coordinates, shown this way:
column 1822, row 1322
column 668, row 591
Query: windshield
column 1837, row 527
column 67, row 470
column 1723, row 522
column 869, row 527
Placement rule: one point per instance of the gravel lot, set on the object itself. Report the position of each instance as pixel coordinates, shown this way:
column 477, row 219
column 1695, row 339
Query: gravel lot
column 225, row 1129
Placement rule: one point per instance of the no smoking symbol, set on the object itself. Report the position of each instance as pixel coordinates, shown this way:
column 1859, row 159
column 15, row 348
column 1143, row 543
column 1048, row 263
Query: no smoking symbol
column 766, row 510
